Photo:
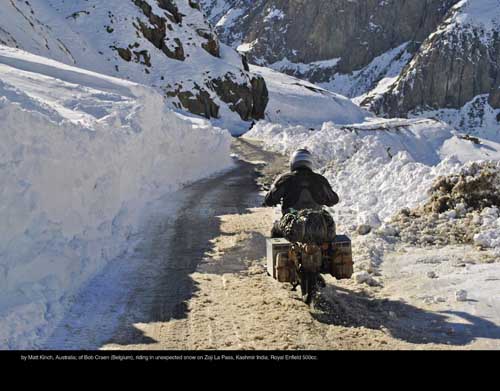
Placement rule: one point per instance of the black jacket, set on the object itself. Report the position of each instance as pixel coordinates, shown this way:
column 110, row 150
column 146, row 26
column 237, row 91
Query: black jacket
column 301, row 189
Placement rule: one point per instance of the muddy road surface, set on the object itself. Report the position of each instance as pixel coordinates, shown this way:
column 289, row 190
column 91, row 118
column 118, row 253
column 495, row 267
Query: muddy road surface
column 199, row 282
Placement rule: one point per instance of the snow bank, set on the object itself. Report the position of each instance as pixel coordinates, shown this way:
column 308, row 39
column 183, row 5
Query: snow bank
column 490, row 229
column 378, row 167
column 476, row 116
column 80, row 158
column 297, row 102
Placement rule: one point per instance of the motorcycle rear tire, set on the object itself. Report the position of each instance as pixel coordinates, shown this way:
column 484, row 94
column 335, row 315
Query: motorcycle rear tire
column 308, row 286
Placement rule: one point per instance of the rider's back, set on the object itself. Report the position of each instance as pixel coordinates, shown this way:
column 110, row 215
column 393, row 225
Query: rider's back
column 301, row 189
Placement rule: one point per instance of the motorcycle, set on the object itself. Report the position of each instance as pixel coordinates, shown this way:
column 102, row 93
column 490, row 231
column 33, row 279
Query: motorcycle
column 301, row 264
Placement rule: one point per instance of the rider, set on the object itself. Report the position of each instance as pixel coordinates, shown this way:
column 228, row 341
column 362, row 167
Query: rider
column 301, row 188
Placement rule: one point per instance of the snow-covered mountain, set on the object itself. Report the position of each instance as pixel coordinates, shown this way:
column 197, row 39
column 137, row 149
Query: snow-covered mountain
column 435, row 58
column 165, row 44
column 456, row 72
column 320, row 39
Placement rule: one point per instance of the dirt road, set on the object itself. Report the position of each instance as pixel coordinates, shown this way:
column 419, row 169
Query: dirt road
column 199, row 282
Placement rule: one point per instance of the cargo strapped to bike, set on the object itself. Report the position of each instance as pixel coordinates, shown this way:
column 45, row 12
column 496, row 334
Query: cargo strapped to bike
column 307, row 226
column 336, row 258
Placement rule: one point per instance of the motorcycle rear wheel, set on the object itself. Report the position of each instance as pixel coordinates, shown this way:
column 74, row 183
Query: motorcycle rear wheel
column 308, row 286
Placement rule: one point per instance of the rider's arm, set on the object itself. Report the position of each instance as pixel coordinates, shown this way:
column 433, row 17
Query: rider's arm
column 331, row 198
column 275, row 194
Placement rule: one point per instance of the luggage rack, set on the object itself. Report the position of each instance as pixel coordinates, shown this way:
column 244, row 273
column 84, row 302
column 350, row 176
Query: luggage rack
column 336, row 258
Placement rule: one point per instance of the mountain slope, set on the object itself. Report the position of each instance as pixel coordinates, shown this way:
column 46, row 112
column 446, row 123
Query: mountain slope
column 325, row 37
column 165, row 44
column 398, row 58
column 296, row 102
column 458, row 64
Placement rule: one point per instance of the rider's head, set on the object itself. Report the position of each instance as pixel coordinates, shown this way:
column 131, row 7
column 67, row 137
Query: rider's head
column 301, row 158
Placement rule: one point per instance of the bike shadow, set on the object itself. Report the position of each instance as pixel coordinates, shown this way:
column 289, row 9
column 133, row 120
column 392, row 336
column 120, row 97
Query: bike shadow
column 341, row 306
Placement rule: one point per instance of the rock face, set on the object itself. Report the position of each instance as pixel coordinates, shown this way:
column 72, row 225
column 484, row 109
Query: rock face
column 167, row 44
column 395, row 57
column 453, row 66
column 249, row 103
column 354, row 32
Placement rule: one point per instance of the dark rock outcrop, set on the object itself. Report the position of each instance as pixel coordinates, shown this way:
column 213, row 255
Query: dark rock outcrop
column 157, row 32
column 212, row 45
column 494, row 99
column 452, row 68
column 353, row 31
column 260, row 97
column 249, row 103
column 248, row 99
column 200, row 103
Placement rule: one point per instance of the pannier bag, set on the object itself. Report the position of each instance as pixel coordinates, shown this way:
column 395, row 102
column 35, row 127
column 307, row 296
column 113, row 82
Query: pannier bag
column 341, row 266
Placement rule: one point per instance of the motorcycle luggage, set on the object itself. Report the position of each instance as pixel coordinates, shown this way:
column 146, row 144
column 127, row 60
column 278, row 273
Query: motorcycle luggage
column 285, row 271
column 275, row 246
column 308, row 226
column 342, row 266
column 293, row 227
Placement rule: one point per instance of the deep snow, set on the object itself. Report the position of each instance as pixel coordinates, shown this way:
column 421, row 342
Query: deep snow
column 82, row 156
column 297, row 102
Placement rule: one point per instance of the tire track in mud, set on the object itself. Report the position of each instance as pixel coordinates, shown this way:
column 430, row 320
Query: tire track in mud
column 213, row 292
column 180, row 251
column 201, row 283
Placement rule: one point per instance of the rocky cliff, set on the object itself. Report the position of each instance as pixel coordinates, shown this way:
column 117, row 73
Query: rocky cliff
column 305, row 32
column 454, row 66
column 437, row 58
